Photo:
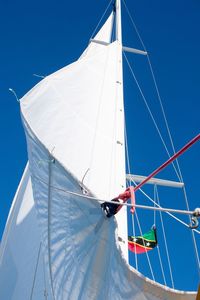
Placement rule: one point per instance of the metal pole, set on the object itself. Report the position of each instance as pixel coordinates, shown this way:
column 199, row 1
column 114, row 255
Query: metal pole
column 178, row 211
column 118, row 22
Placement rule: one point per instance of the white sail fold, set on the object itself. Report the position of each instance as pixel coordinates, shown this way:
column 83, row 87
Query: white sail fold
column 82, row 252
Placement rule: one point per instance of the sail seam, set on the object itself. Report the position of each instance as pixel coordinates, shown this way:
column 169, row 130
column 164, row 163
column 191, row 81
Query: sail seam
column 49, row 223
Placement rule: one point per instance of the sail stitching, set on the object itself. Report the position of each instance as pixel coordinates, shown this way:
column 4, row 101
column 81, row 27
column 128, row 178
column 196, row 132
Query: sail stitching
column 49, row 223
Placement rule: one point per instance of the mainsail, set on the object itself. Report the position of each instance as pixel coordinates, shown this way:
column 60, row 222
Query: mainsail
column 74, row 125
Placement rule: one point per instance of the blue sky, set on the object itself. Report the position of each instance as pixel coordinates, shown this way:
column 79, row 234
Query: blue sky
column 43, row 36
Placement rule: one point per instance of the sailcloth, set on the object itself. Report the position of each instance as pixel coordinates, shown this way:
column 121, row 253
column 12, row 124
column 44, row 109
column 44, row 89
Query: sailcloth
column 74, row 125
column 22, row 273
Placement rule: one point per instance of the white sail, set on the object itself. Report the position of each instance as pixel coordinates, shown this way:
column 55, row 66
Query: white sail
column 104, row 35
column 82, row 252
column 74, row 124
column 78, row 113
column 22, row 273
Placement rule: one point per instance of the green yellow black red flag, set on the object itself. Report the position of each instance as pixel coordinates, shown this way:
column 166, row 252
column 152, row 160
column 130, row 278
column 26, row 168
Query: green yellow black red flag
column 144, row 243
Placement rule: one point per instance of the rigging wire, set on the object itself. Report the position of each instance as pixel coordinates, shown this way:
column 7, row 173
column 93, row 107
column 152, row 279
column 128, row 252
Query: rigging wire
column 132, row 216
column 94, row 31
column 161, row 265
column 167, row 212
column 168, row 130
column 150, row 112
column 165, row 241
column 154, row 198
column 123, row 204
column 129, row 184
column 158, row 248
column 147, row 255
column 179, row 175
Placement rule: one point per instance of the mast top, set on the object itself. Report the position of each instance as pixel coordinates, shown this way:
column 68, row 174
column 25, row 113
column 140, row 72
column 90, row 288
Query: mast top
column 117, row 8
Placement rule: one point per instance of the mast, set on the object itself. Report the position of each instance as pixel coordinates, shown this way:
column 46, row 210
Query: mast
column 121, row 217
column 118, row 22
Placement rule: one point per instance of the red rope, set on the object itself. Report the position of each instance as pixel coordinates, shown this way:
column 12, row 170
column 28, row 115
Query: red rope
column 188, row 145
column 130, row 191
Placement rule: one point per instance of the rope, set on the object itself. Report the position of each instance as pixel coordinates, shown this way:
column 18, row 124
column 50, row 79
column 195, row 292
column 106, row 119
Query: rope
column 14, row 93
column 159, row 208
column 165, row 241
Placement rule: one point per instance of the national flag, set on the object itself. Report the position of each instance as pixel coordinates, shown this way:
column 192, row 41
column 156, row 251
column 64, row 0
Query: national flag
column 141, row 244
